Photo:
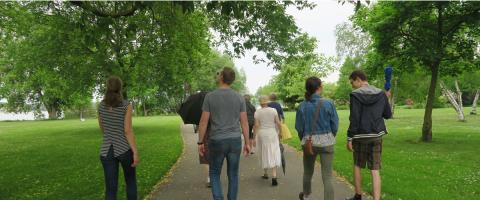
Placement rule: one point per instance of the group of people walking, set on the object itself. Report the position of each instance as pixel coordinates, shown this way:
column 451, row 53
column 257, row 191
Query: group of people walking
column 226, row 116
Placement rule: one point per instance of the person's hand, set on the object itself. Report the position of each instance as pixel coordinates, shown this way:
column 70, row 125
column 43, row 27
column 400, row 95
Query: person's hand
column 201, row 149
column 350, row 146
column 246, row 150
column 136, row 160
column 388, row 93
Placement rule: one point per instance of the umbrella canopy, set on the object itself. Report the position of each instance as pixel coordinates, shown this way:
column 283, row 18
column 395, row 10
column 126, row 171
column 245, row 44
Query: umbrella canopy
column 282, row 150
column 191, row 109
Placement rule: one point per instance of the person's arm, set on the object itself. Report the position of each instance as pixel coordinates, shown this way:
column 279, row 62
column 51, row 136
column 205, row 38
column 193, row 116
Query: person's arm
column 256, row 125
column 333, row 119
column 202, row 129
column 299, row 121
column 280, row 112
column 354, row 121
column 100, row 123
column 130, row 136
column 202, row 126
column 387, row 110
column 255, row 128
column 244, row 124
column 279, row 125
column 354, row 117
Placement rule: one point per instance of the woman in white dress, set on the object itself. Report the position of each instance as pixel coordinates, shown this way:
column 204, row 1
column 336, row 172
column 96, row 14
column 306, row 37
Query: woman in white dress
column 267, row 131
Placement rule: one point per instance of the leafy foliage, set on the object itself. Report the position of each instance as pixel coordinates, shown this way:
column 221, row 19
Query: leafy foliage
column 55, row 55
column 437, row 36
column 289, row 84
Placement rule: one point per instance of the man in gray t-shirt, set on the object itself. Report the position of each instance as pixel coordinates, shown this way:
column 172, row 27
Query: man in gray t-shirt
column 224, row 106
column 225, row 110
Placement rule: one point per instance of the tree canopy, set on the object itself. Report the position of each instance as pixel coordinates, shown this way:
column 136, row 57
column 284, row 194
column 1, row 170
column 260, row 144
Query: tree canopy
column 55, row 53
column 440, row 37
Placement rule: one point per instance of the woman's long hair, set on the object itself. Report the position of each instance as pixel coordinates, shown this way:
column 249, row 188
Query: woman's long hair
column 113, row 96
column 311, row 86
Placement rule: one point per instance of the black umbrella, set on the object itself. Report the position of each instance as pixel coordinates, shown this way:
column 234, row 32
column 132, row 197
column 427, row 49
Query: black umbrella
column 191, row 109
column 282, row 151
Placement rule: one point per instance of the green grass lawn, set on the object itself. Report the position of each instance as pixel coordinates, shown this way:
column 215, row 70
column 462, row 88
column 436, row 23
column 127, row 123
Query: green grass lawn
column 60, row 159
column 447, row 168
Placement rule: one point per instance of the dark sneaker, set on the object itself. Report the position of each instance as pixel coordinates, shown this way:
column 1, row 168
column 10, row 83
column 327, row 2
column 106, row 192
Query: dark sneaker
column 265, row 176
column 208, row 184
column 356, row 197
column 274, row 182
column 300, row 196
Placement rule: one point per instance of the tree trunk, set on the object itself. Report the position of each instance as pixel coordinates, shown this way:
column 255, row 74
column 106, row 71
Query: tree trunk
column 144, row 109
column 52, row 112
column 474, row 104
column 454, row 99
column 434, row 68
column 392, row 98
column 134, row 106
column 124, row 91
column 461, row 116
column 81, row 115
column 427, row 118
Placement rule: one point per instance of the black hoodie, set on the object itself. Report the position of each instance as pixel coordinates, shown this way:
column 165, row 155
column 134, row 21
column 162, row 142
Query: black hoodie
column 368, row 107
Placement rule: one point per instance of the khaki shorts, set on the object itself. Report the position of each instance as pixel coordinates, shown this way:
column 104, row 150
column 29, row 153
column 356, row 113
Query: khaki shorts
column 368, row 152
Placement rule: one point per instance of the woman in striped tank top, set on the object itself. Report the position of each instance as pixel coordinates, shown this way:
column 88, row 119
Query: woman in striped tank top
column 115, row 120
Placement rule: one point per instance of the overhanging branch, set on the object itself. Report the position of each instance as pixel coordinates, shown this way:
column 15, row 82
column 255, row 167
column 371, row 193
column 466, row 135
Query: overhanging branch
column 134, row 6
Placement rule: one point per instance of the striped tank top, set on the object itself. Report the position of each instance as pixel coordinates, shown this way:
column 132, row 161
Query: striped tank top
column 114, row 131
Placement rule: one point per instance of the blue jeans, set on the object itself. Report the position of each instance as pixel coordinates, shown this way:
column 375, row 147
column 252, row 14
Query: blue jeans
column 110, row 169
column 219, row 150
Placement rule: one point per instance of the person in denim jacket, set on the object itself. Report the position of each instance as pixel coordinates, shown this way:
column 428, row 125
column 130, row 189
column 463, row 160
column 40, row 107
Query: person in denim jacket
column 322, row 136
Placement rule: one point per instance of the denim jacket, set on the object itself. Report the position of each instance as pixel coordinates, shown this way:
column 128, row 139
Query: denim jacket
column 327, row 120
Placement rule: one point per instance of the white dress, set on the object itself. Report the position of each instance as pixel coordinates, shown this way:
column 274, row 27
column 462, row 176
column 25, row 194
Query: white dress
column 267, row 136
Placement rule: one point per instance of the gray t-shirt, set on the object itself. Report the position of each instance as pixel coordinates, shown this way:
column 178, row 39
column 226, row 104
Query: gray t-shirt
column 224, row 106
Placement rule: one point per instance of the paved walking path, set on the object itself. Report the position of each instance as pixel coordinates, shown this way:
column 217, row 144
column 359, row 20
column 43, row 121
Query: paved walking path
column 188, row 179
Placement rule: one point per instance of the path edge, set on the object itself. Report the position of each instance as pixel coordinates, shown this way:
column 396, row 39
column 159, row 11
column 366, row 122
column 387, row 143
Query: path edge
column 166, row 178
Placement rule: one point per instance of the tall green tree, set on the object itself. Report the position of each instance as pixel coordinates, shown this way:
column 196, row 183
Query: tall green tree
column 351, row 42
column 343, row 89
column 38, row 63
column 352, row 47
column 266, row 89
column 204, row 77
column 432, row 34
column 153, row 46
column 245, row 25
column 290, row 82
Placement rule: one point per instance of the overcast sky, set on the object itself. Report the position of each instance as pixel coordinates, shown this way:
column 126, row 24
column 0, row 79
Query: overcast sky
column 319, row 22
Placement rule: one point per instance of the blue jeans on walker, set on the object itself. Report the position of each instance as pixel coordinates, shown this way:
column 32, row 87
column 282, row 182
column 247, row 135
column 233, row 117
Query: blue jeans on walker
column 110, row 168
column 230, row 149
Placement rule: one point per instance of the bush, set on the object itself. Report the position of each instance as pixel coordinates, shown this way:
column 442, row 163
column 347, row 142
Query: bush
column 89, row 112
column 418, row 106
column 342, row 107
column 440, row 102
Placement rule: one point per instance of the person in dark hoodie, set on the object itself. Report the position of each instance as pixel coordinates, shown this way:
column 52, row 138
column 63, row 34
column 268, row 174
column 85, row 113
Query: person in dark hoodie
column 251, row 121
column 368, row 108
